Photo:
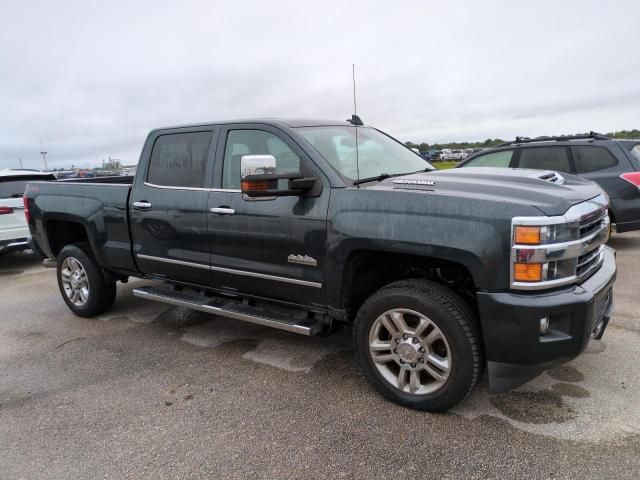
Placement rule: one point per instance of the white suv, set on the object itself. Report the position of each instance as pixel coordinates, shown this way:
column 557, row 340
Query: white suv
column 448, row 154
column 14, row 231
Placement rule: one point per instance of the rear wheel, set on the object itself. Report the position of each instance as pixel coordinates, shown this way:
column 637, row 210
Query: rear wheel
column 417, row 344
column 82, row 283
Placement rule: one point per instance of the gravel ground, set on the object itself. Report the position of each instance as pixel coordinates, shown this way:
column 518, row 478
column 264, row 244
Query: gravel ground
column 148, row 391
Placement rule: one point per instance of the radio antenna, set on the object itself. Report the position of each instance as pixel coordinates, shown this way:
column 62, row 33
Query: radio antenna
column 355, row 120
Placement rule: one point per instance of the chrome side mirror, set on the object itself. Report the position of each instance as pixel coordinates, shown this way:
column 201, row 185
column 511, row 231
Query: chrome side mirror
column 260, row 179
column 257, row 165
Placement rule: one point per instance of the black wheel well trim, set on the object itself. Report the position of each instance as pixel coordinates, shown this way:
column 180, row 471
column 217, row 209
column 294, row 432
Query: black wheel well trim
column 390, row 267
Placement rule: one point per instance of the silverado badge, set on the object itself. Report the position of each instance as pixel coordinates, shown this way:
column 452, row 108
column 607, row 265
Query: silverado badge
column 302, row 260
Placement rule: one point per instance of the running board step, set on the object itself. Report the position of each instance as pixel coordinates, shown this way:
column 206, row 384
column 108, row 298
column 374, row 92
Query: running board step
column 234, row 310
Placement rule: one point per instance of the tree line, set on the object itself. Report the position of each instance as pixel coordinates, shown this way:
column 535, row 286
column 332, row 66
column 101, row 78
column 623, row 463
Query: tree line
column 492, row 142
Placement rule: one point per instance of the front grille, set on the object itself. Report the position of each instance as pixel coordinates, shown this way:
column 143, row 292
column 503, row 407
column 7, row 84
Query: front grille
column 588, row 261
column 592, row 223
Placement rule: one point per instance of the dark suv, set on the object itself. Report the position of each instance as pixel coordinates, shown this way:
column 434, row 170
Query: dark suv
column 614, row 164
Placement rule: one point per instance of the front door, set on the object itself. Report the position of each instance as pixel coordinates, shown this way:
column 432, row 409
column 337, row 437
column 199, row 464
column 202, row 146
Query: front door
column 168, row 206
column 271, row 247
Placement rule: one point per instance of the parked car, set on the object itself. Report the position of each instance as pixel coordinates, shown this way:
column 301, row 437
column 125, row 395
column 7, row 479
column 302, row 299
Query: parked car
column 445, row 154
column 285, row 224
column 450, row 155
column 613, row 164
column 430, row 155
column 14, row 231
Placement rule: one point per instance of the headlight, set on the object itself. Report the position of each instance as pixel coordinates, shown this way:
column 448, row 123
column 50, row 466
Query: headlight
column 547, row 252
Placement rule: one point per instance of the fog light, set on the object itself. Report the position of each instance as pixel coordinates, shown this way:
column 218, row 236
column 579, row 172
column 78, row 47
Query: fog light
column 544, row 325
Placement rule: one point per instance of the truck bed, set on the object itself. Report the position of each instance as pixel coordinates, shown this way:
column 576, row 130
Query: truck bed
column 98, row 204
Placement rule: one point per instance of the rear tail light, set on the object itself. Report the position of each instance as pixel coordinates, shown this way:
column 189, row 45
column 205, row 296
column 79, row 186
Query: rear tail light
column 5, row 210
column 632, row 177
column 27, row 215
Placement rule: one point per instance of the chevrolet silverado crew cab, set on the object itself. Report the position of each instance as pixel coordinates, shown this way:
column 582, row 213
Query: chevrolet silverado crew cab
column 304, row 225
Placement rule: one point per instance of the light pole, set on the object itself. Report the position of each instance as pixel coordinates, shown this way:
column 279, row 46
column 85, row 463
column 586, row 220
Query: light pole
column 44, row 157
column 20, row 162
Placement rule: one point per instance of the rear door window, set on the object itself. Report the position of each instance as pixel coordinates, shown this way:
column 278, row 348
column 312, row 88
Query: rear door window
column 545, row 158
column 179, row 160
column 590, row 158
column 493, row 159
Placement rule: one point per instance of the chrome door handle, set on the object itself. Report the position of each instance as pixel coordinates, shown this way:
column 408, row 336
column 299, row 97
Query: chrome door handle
column 142, row 204
column 222, row 210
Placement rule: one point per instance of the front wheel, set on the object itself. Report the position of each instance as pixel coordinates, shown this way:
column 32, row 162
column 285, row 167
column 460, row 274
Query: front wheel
column 417, row 344
column 81, row 282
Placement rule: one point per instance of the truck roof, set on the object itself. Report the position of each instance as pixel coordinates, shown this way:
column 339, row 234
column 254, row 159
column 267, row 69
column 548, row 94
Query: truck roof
column 289, row 122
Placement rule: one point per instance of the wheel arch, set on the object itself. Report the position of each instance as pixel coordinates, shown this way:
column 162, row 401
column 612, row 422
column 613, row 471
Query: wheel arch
column 366, row 271
column 62, row 230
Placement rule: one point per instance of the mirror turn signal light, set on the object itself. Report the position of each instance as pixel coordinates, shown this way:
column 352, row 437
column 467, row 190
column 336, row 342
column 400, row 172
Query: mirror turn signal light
column 527, row 272
column 527, row 235
column 253, row 186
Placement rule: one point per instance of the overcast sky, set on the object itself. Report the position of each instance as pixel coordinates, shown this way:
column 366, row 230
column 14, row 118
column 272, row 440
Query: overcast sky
column 89, row 79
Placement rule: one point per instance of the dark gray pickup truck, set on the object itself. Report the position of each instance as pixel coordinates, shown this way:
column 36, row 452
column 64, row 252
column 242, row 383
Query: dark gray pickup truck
column 287, row 224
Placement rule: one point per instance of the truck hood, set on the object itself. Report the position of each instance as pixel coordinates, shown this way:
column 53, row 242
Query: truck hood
column 551, row 192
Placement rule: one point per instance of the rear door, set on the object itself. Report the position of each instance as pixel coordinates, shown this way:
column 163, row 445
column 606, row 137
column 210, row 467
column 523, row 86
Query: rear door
column 596, row 163
column 168, row 216
column 599, row 165
column 270, row 247
column 556, row 158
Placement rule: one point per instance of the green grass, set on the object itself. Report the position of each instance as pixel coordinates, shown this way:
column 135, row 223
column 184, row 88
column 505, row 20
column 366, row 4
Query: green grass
column 444, row 165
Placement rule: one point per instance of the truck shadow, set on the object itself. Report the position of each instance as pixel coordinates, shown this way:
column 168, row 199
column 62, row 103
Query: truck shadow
column 625, row 241
column 17, row 262
column 556, row 404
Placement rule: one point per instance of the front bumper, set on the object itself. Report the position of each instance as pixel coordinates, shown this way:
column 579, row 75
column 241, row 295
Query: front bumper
column 515, row 350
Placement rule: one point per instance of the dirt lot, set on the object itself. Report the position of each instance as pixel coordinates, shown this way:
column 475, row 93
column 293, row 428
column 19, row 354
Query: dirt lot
column 148, row 391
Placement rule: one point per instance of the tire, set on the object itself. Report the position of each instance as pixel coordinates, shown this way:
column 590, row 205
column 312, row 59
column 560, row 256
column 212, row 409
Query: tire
column 433, row 369
column 612, row 226
column 99, row 294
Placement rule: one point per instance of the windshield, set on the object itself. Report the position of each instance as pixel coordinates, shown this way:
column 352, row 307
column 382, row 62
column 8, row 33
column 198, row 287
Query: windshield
column 377, row 153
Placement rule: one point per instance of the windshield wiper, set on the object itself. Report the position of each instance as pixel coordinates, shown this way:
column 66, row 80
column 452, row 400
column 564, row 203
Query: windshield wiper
column 384, row 176
column 377, row 178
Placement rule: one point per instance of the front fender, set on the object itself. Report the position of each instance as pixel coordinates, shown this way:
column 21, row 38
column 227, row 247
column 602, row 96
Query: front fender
column 471, row 232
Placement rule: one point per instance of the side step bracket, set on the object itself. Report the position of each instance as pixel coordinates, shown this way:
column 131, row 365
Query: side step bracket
column 237, row 311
